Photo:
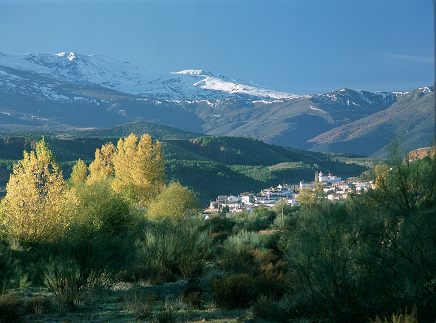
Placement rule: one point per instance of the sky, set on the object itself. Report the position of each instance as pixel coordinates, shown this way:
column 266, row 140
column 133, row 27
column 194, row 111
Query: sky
column 295, row 46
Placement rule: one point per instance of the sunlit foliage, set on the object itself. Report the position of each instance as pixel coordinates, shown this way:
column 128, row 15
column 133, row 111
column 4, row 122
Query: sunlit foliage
column 37, row 206
column 139, row 168
column 102, row 167
column 79, row 173
column 175, row 202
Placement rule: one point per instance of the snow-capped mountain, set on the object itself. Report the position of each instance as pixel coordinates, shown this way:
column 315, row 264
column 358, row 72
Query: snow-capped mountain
column 68, row 91
column 127, row 78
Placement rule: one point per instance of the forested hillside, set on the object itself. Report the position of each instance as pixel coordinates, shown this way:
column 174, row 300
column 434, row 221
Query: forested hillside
column 209, row 165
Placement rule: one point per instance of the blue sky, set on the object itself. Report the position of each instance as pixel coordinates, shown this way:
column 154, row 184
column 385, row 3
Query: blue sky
column 297, row 46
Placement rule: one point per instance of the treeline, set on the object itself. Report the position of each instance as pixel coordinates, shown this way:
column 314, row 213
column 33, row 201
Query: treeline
column 209, row 165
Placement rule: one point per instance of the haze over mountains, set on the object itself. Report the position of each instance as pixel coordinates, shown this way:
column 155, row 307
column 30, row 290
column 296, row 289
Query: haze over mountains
column 69, row 91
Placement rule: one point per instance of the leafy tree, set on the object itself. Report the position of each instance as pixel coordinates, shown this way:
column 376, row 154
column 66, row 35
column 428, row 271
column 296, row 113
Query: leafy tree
column 381, row 173
column 100, row 209
column 175, row 202
column 37, row 206
column 139, row 168
column 102, row 167
column 136, row 169
column 79, row 173
column 406, row 187
column 309, row 197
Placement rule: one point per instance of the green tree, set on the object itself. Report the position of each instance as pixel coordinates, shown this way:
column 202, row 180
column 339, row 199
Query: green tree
column 174, row 202
column 79, row 173
column 311, row 196
column 37, row 206
column 100, row 209
column 406, row 187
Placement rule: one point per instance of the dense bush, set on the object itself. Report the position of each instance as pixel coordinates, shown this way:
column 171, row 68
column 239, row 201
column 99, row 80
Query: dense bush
column 10, row 309
column 101, row 210
column 10, row 269
column 169, row 250
column 175, row 202
column 268, row 309
column 371, row 255
column 217, row 224
column 84, row 263
column 244, row 240
column 235, row 291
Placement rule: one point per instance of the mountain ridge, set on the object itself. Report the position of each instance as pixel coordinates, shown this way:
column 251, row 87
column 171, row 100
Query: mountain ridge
column 70, row 91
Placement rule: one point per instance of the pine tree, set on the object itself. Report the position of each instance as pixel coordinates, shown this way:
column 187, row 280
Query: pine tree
column 37, row 206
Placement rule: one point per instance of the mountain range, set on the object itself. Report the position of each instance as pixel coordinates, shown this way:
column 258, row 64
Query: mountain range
column 70, row 91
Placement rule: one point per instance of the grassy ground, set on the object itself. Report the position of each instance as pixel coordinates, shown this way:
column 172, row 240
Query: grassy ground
column 126, row 303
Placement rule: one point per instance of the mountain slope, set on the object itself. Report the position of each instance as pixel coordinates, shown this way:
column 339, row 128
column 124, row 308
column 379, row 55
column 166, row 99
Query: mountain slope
column 124, row 77
column 411, row 118
column 70, row 91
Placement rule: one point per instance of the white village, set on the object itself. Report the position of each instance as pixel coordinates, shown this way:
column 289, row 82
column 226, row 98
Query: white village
column 333, row 189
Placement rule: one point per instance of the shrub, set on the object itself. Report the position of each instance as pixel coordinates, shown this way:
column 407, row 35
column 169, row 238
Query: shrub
column 193, row 296
column 142, row 306
column 175, row 202
column 271, row 276
column 100, row 209
column 219, row 224
column 244, row 241
column 10, row 271
column 38, row 305
column 235, row 291
column 352, row 260
column 266, row 212
column 176, row 249
column 239, row 262
column 267, row 309
column 10, row 309
column 84, row 263
column 399, row 317
column 284, row 223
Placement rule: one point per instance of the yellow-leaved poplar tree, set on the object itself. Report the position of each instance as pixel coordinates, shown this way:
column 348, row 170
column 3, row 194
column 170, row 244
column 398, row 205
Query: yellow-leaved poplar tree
column 139, row 168
column 102, row 167
column 37, row 206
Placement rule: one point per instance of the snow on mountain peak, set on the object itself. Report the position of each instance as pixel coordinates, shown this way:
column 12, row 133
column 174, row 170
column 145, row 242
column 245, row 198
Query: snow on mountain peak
column 190, row 72
column 70, row 57
column 124, row 77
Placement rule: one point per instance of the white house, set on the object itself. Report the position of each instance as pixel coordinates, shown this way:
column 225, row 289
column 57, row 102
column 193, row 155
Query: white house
column 328, row 178
column 247, row 199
